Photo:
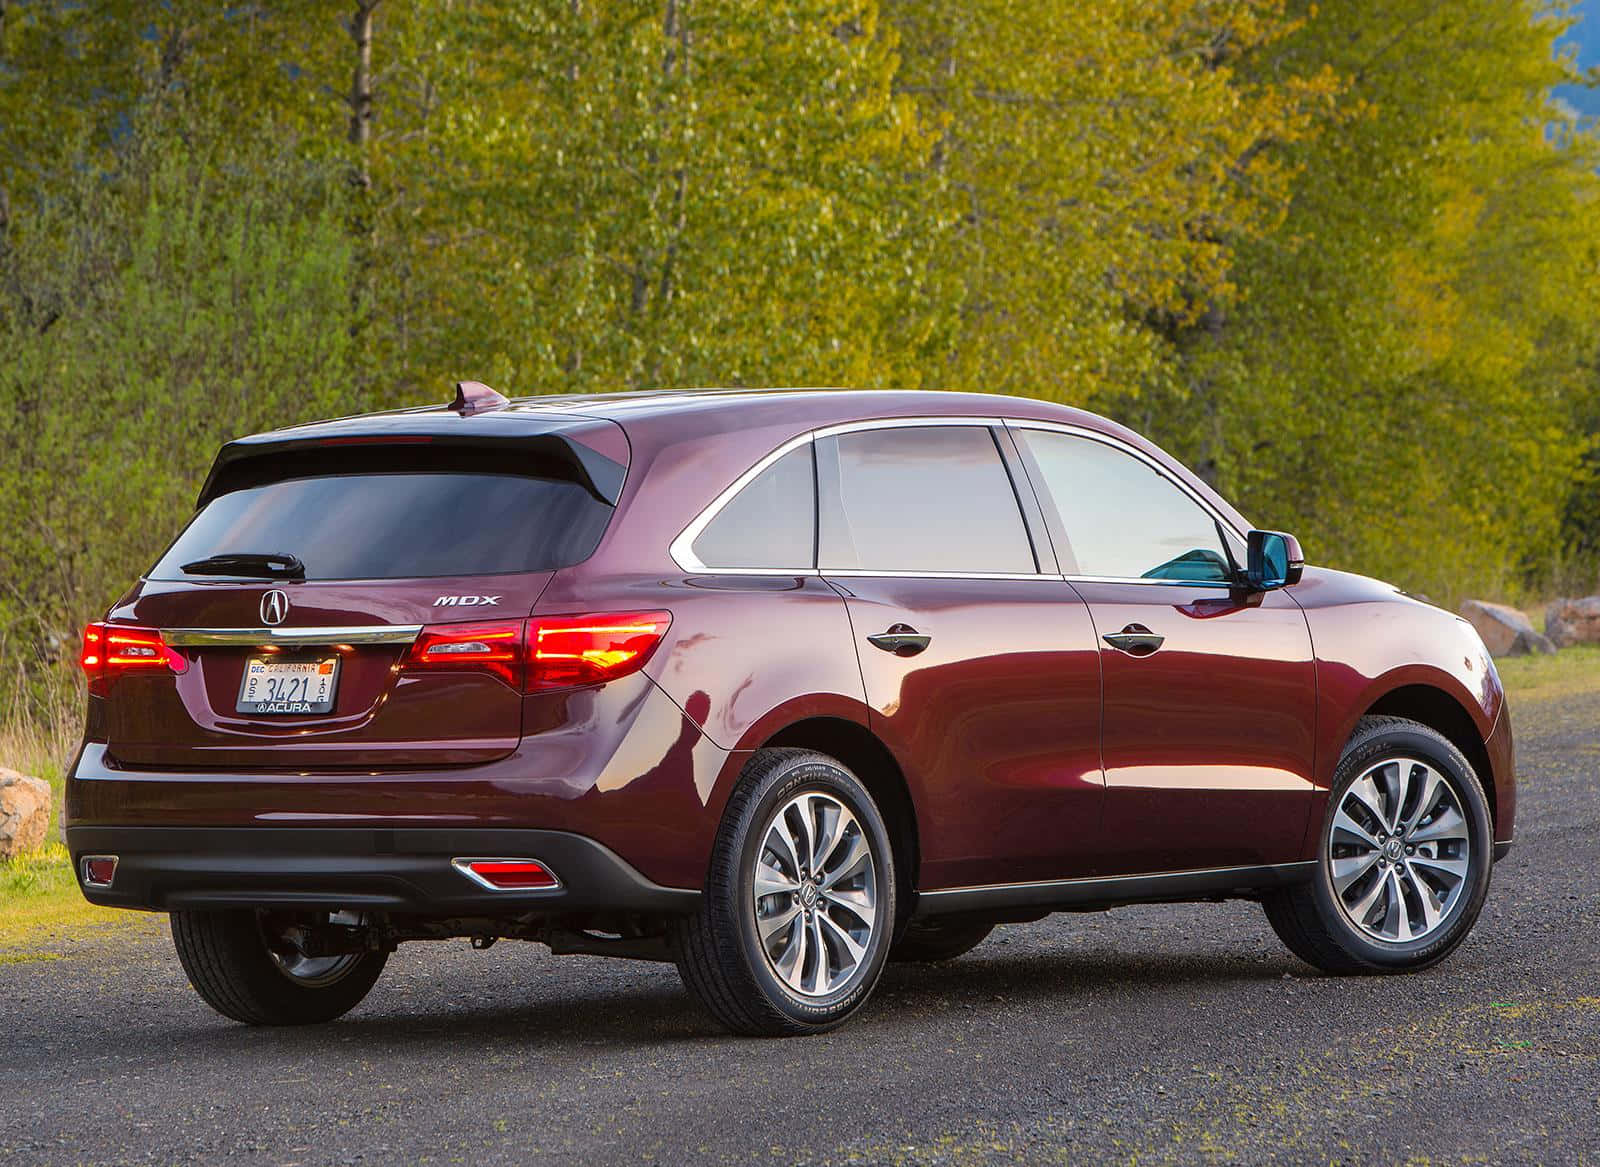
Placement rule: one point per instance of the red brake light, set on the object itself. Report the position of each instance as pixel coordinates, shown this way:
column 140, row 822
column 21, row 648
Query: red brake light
column 583, row 650
column 110, row 650
column 491, row 648
column 547, row 652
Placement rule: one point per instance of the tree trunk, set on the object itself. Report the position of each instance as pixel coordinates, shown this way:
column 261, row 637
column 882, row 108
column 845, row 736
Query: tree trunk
column 361, row 88
column 677, row 60
column 362, row 289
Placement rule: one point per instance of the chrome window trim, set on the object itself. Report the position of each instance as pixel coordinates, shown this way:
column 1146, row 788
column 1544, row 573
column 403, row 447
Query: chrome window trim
column 1221, row 585
column 682, row 548
column 769, row 572
column 362, row 634
column 867, row 573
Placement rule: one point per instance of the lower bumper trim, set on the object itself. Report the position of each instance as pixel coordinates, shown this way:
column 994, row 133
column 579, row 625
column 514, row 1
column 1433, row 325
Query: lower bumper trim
column 400, row 870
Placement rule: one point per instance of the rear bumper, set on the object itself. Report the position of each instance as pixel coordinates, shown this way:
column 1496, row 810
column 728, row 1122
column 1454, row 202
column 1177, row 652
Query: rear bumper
column 401, row 871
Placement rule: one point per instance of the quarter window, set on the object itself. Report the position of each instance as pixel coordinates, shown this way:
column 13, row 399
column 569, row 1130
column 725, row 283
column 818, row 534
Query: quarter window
column 1123, row 518
column 920, row 499
column 771, row 524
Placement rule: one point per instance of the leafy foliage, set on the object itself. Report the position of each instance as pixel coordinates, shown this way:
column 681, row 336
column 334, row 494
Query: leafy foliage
column 1340, row 257
column 156, row 311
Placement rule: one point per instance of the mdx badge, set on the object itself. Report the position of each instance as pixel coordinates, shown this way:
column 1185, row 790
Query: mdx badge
column 465, row 601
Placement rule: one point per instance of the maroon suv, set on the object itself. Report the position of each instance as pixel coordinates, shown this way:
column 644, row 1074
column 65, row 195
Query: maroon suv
column 775, row 685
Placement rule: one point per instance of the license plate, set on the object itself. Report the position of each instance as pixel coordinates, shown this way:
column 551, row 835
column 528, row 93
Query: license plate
column 288, row 686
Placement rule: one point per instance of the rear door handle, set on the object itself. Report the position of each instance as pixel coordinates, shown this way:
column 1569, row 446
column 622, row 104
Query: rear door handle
column 900, row 639
column 1135, row 640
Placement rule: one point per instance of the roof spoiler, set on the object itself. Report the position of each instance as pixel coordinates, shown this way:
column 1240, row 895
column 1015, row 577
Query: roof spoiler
column 572, row 442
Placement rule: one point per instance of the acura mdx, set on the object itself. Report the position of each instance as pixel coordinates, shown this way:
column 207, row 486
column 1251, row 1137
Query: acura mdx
column 775, row 685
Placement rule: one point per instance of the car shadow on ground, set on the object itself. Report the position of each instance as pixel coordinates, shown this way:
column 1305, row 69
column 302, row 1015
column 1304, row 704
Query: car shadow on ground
column 655, row 1009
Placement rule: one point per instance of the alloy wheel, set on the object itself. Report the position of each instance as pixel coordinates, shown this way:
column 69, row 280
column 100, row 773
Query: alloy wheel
column 1399, row 851
column 815, row 894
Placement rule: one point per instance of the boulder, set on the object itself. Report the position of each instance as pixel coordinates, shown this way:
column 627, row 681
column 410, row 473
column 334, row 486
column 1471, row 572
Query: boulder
column 24, row 812
column 1505, row 630
column 1530, row 642
column 1573, row 621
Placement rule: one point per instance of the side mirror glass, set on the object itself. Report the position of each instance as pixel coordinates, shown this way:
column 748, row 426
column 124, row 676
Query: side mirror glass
column 1274, row 560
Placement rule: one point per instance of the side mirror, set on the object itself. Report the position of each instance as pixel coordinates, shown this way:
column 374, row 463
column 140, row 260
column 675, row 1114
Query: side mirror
column 1274, row 560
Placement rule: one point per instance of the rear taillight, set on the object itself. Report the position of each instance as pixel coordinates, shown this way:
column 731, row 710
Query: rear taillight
column 112, row 650
column 585, row 650
column 546, row 652
column 495, row 648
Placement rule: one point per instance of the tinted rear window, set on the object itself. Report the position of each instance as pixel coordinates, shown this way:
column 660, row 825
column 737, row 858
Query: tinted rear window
column 769, row 525
column 399, row 524
column 920, row 499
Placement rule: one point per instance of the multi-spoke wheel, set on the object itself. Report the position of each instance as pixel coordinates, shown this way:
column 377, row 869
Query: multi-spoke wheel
column 816, row 894
column 1399, row 850
column 1404, row 857
column 799, row 902
column 246, row 967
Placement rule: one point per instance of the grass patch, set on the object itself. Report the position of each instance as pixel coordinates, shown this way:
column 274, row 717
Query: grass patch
column 39, row 894
column 28, row 957
column 1566, row 673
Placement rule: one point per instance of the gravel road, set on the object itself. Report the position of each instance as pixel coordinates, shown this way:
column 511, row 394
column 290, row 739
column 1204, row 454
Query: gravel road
column 1163, row 1034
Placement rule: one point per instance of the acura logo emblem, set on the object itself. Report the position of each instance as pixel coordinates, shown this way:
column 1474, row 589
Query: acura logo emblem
column 274, row 607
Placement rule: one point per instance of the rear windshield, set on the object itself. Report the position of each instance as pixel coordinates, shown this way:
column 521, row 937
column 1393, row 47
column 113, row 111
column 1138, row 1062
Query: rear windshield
column 398, row 524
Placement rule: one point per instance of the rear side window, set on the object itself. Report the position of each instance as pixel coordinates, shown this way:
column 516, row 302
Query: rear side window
column 399, row 523
column 920, row 499
column 1122, row 517
column 771, row 524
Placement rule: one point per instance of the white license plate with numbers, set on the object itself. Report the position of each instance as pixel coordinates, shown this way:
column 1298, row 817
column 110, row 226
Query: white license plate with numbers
column 279, row 686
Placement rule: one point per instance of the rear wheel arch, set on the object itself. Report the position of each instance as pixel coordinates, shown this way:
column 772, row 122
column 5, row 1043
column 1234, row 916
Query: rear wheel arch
column 861, row 752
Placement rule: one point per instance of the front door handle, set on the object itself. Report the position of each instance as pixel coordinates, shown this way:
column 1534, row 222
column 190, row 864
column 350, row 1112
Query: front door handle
column 1135, row 640
column 900, row 639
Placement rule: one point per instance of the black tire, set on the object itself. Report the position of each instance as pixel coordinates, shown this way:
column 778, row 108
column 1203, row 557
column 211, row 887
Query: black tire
column 227, row 961
column 939, row 940
column 718, row 951
column 1311, row 920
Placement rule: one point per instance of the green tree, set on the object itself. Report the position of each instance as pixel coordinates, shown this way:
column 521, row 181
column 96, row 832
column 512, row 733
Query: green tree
column 1398, row 382
column 1098, row 162
column 618, row 195
column 174, row 303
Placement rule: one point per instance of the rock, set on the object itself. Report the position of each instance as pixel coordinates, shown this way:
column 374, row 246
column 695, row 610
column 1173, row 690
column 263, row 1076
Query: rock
column 24, row 812
column 1505, row 631
column 1573, row 621
column 1530, row 643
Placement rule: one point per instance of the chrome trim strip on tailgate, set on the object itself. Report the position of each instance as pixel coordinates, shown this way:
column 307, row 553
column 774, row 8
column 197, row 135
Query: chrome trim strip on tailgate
column 247, row 637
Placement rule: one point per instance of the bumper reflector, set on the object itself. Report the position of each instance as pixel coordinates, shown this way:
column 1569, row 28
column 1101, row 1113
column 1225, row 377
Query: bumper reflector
column 508, row 874
column 98, row 870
